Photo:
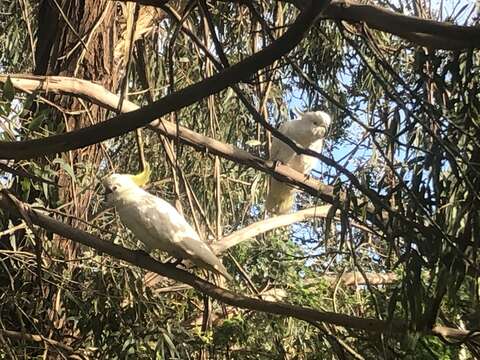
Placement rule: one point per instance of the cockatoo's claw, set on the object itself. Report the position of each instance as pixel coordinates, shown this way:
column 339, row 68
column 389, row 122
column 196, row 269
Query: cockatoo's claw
column 141, row 253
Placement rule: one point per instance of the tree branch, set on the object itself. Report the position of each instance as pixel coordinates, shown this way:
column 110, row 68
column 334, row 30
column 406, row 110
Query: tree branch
column 38, row 338
column 403, row 25
column 424, row 32
column 144, row 261
column 263, row 226
column 124, row 123
column 359, row 278
column 99, row 95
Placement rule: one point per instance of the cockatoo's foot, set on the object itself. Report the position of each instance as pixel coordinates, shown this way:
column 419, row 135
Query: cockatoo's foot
column 141, row 253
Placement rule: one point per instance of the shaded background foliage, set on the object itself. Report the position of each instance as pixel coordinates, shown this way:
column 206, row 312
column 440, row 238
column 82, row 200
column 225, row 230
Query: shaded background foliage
column 406, row 124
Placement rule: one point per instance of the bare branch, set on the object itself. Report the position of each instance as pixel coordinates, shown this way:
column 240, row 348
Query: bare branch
column 358, row 278
column 263, row 226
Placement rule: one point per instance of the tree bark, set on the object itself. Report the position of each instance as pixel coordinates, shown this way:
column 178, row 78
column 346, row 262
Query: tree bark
column 78, row 40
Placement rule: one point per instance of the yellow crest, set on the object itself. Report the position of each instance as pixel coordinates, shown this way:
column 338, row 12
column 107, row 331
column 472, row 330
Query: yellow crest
column 142, row 178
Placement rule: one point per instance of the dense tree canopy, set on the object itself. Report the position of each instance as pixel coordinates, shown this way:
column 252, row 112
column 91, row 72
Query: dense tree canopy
column 378, row 258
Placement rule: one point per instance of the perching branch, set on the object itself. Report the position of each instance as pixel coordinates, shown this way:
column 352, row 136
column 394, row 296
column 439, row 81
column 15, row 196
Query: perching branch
column 99, row 95
column 124, row 123
column 144, row 261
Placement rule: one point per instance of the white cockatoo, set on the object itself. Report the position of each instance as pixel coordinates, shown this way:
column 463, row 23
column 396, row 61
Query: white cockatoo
column 157, row 223
column 309, row 131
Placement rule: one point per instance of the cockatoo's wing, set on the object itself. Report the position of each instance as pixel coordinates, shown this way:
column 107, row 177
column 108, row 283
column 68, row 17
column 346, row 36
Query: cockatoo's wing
column 140, row 215
column 281, row 151
column 159, row 225
column 280, row 195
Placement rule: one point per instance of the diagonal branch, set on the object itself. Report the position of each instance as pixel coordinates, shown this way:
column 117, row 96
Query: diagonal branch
column 124, row 123
column 99, row 95
column 263, row 226
column 226, row 296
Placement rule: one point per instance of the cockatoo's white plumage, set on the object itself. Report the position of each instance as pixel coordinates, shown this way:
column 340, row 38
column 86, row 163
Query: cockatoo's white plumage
column 158, row 224
column 309, row 132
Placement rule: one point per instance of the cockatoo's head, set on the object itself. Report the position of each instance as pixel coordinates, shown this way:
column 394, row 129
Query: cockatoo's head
column 118, row 184
column 318, row 122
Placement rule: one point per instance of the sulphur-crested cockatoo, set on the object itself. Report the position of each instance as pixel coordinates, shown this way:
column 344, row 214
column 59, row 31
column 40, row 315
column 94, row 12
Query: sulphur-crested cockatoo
column 309, row 132
column 157, row 223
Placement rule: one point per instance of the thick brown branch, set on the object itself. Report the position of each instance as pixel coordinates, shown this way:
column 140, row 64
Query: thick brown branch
column 437, row 42
column 423, row 31
column 124, row 123
column 228, row 297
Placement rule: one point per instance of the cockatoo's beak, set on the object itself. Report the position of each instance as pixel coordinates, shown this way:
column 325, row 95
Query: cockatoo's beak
column 320, row 132
column 107, row 192
column 107, row 195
